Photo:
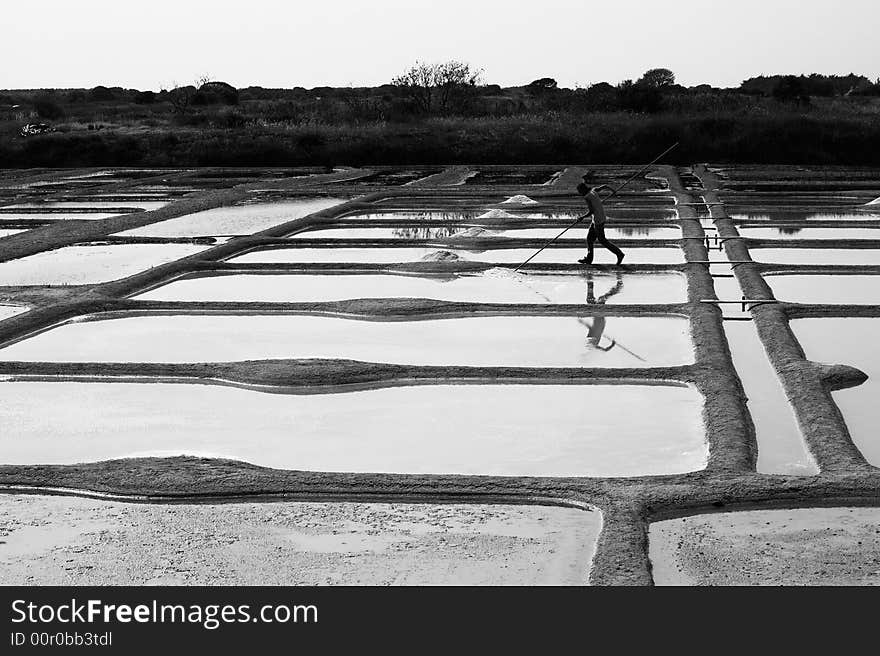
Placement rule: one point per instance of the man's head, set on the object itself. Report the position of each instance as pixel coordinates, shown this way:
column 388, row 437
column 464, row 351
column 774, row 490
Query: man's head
column 586, row 186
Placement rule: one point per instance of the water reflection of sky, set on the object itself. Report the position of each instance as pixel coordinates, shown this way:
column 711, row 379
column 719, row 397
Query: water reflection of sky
column 493, row 286
column 804, row 215
column 843, row 340
column 396, row 177
column 826, row 289
column 512, row 177
column 444, row 429
column 783, row 232
column 817, row 256
column 508, row 341
column 473, row 216
column 438, row 253
column 464, row 231
column 423, row 215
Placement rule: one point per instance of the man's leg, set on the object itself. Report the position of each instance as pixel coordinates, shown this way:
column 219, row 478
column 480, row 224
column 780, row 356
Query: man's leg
column 607, row 244
column 591, row 240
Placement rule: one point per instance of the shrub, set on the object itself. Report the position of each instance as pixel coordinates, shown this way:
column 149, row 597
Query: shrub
column 639, row 98
column 145, row 97
column 47, row 107
column 791, row 88
column 101, row 94
column 657, row 78
column 216, row 93
column 230, row 120
column 181, row 98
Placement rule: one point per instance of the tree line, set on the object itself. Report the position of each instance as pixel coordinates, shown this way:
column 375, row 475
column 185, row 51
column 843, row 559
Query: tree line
column 451, row 88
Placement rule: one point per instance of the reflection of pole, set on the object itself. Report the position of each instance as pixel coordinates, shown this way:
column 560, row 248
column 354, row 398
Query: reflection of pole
column 581, row 320
column 618, row 287
column 541, row 294
column 616, row 343
column 626, row 350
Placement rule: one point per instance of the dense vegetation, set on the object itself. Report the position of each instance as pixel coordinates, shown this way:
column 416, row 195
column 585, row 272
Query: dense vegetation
column 445, row 114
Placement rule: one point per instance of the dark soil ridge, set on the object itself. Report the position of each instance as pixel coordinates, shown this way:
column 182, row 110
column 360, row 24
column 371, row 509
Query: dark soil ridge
column 305, row 376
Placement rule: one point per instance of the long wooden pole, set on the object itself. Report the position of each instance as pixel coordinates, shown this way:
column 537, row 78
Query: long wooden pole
column 611, row 195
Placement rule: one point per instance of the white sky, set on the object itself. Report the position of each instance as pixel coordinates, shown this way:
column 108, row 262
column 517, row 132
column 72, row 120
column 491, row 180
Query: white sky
column 277, row 43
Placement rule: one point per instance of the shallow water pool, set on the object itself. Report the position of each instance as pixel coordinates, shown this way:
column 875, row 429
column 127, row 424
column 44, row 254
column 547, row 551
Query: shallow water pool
column 817, row 256
column 499, row 255
column 490, row 287
column 584, row 341
column 849, row 341
column 446, row 232
column 467, row 429
column 621, row 232
column 804, row 215
column 826, row 289
column 88, row 265
column 75, row 206
column 48, row 217
column 7, row 311
column 417, row 216
column 810, row 233
column 519, row 213
column 234, row 220
column 397, row 232
column 781, row 448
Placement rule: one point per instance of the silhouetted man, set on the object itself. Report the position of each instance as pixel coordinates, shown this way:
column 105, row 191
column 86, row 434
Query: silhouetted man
column 597, row 227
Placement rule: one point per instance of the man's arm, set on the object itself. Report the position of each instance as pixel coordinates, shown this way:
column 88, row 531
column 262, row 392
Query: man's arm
column 589, row 209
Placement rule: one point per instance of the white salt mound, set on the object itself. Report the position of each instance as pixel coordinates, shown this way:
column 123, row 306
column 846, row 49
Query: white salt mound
column 441, row 256
column 472, row 233
column 497, row 214
column 501, row 272
column 663, row 182
column 519, row 199
column 554, row 178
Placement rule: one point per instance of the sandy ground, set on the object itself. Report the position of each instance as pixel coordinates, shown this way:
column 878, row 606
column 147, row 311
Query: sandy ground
column 48, row 540
column 822, row 546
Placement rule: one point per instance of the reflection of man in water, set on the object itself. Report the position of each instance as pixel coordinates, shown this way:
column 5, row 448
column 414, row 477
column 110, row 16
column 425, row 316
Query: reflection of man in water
column 597, row 227
column 596, row 329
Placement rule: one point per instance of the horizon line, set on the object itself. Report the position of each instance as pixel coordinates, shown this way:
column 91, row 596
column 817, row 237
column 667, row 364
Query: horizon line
column 384, row 84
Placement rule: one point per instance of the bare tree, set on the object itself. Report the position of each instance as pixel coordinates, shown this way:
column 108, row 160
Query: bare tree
column 419, row 82
column 454, row 81
column 181, row 96
column 438, row 86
